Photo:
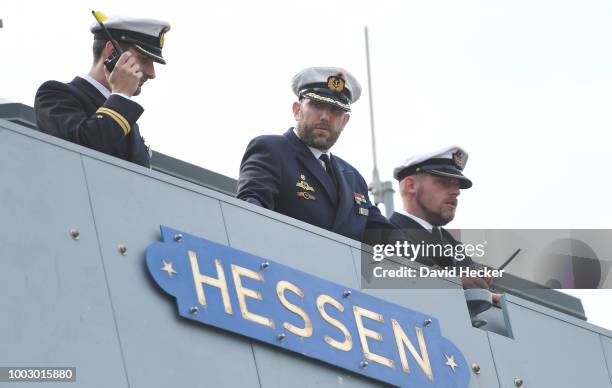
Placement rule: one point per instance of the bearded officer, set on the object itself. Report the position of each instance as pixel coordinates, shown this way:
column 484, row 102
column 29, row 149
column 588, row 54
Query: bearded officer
column 430, row 184
column 297, row 175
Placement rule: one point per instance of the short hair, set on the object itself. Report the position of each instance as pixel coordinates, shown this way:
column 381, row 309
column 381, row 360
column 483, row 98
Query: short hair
column 416, row 177
column 98, row 48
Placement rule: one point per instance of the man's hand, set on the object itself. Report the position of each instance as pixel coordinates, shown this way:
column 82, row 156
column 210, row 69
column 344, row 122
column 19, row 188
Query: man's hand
column 474, row 282
column 484, row 282
column 497, row 299
column 126, row 76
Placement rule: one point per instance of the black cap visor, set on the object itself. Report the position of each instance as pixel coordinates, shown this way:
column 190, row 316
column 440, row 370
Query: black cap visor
column 464, row 182
column 148, row 52
column 327, row 97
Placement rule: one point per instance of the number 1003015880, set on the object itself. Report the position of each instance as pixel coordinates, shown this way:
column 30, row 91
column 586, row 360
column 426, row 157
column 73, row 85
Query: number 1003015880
column 37, row 374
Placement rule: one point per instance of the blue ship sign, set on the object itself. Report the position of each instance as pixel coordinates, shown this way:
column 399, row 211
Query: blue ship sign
column 258, row 298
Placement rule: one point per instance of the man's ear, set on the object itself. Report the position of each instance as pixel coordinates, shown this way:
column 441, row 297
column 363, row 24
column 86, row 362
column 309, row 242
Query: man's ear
column 346, row 118
column 409, row 185
column 108, row 49
column 297, row 110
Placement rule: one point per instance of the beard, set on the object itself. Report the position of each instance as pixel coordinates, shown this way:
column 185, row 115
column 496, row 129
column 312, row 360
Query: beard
column 320, row 142
column 446, row 216
column 435, row 217
column 440, row 218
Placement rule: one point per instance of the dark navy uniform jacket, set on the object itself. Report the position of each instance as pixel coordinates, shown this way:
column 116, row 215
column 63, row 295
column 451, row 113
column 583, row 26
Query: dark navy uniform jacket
column 411, row 231
column 281, row 173
column 79, row 113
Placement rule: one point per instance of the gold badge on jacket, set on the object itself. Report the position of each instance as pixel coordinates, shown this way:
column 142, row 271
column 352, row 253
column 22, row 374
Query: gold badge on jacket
column 302, row 184
column 305, row 195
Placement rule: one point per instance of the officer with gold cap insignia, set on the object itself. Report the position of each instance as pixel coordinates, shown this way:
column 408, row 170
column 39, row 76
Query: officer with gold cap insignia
column 296, row 174
column 429, row 186
column 96, row 110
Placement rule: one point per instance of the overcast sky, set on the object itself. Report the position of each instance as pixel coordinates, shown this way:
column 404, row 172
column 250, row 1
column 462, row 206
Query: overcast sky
column 524, row 86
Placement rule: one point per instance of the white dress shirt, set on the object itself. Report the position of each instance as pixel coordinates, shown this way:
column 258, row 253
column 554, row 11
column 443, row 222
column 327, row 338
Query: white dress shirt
column 421, row 221
column 101, row 88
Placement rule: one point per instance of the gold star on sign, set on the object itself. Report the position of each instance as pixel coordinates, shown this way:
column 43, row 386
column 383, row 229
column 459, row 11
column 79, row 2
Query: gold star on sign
column 168, row 268
column 450, row 361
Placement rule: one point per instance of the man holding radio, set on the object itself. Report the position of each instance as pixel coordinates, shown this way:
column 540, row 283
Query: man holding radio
column 96, row 110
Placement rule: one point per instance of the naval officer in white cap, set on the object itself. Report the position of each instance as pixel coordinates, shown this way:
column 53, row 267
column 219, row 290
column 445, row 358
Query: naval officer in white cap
column 430, row 184
column 96, row 109
column 297, row 175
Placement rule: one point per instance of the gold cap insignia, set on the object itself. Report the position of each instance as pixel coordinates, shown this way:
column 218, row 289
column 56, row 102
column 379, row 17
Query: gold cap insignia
column 335, row 83
column 459, row 159
column 161, row 38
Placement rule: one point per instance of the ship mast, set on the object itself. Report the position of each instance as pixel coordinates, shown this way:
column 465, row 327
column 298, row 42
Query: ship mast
column 381, row 191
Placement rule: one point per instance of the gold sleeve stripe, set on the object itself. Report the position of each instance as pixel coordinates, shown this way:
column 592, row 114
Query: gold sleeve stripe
column 123, row 123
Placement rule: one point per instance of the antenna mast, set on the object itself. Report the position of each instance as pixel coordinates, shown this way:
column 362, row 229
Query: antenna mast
column 381, row 191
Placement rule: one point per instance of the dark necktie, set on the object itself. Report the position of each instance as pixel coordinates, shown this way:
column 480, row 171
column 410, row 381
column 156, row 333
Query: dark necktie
column 436, row 233
column 446, row 259
column 329, row 168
